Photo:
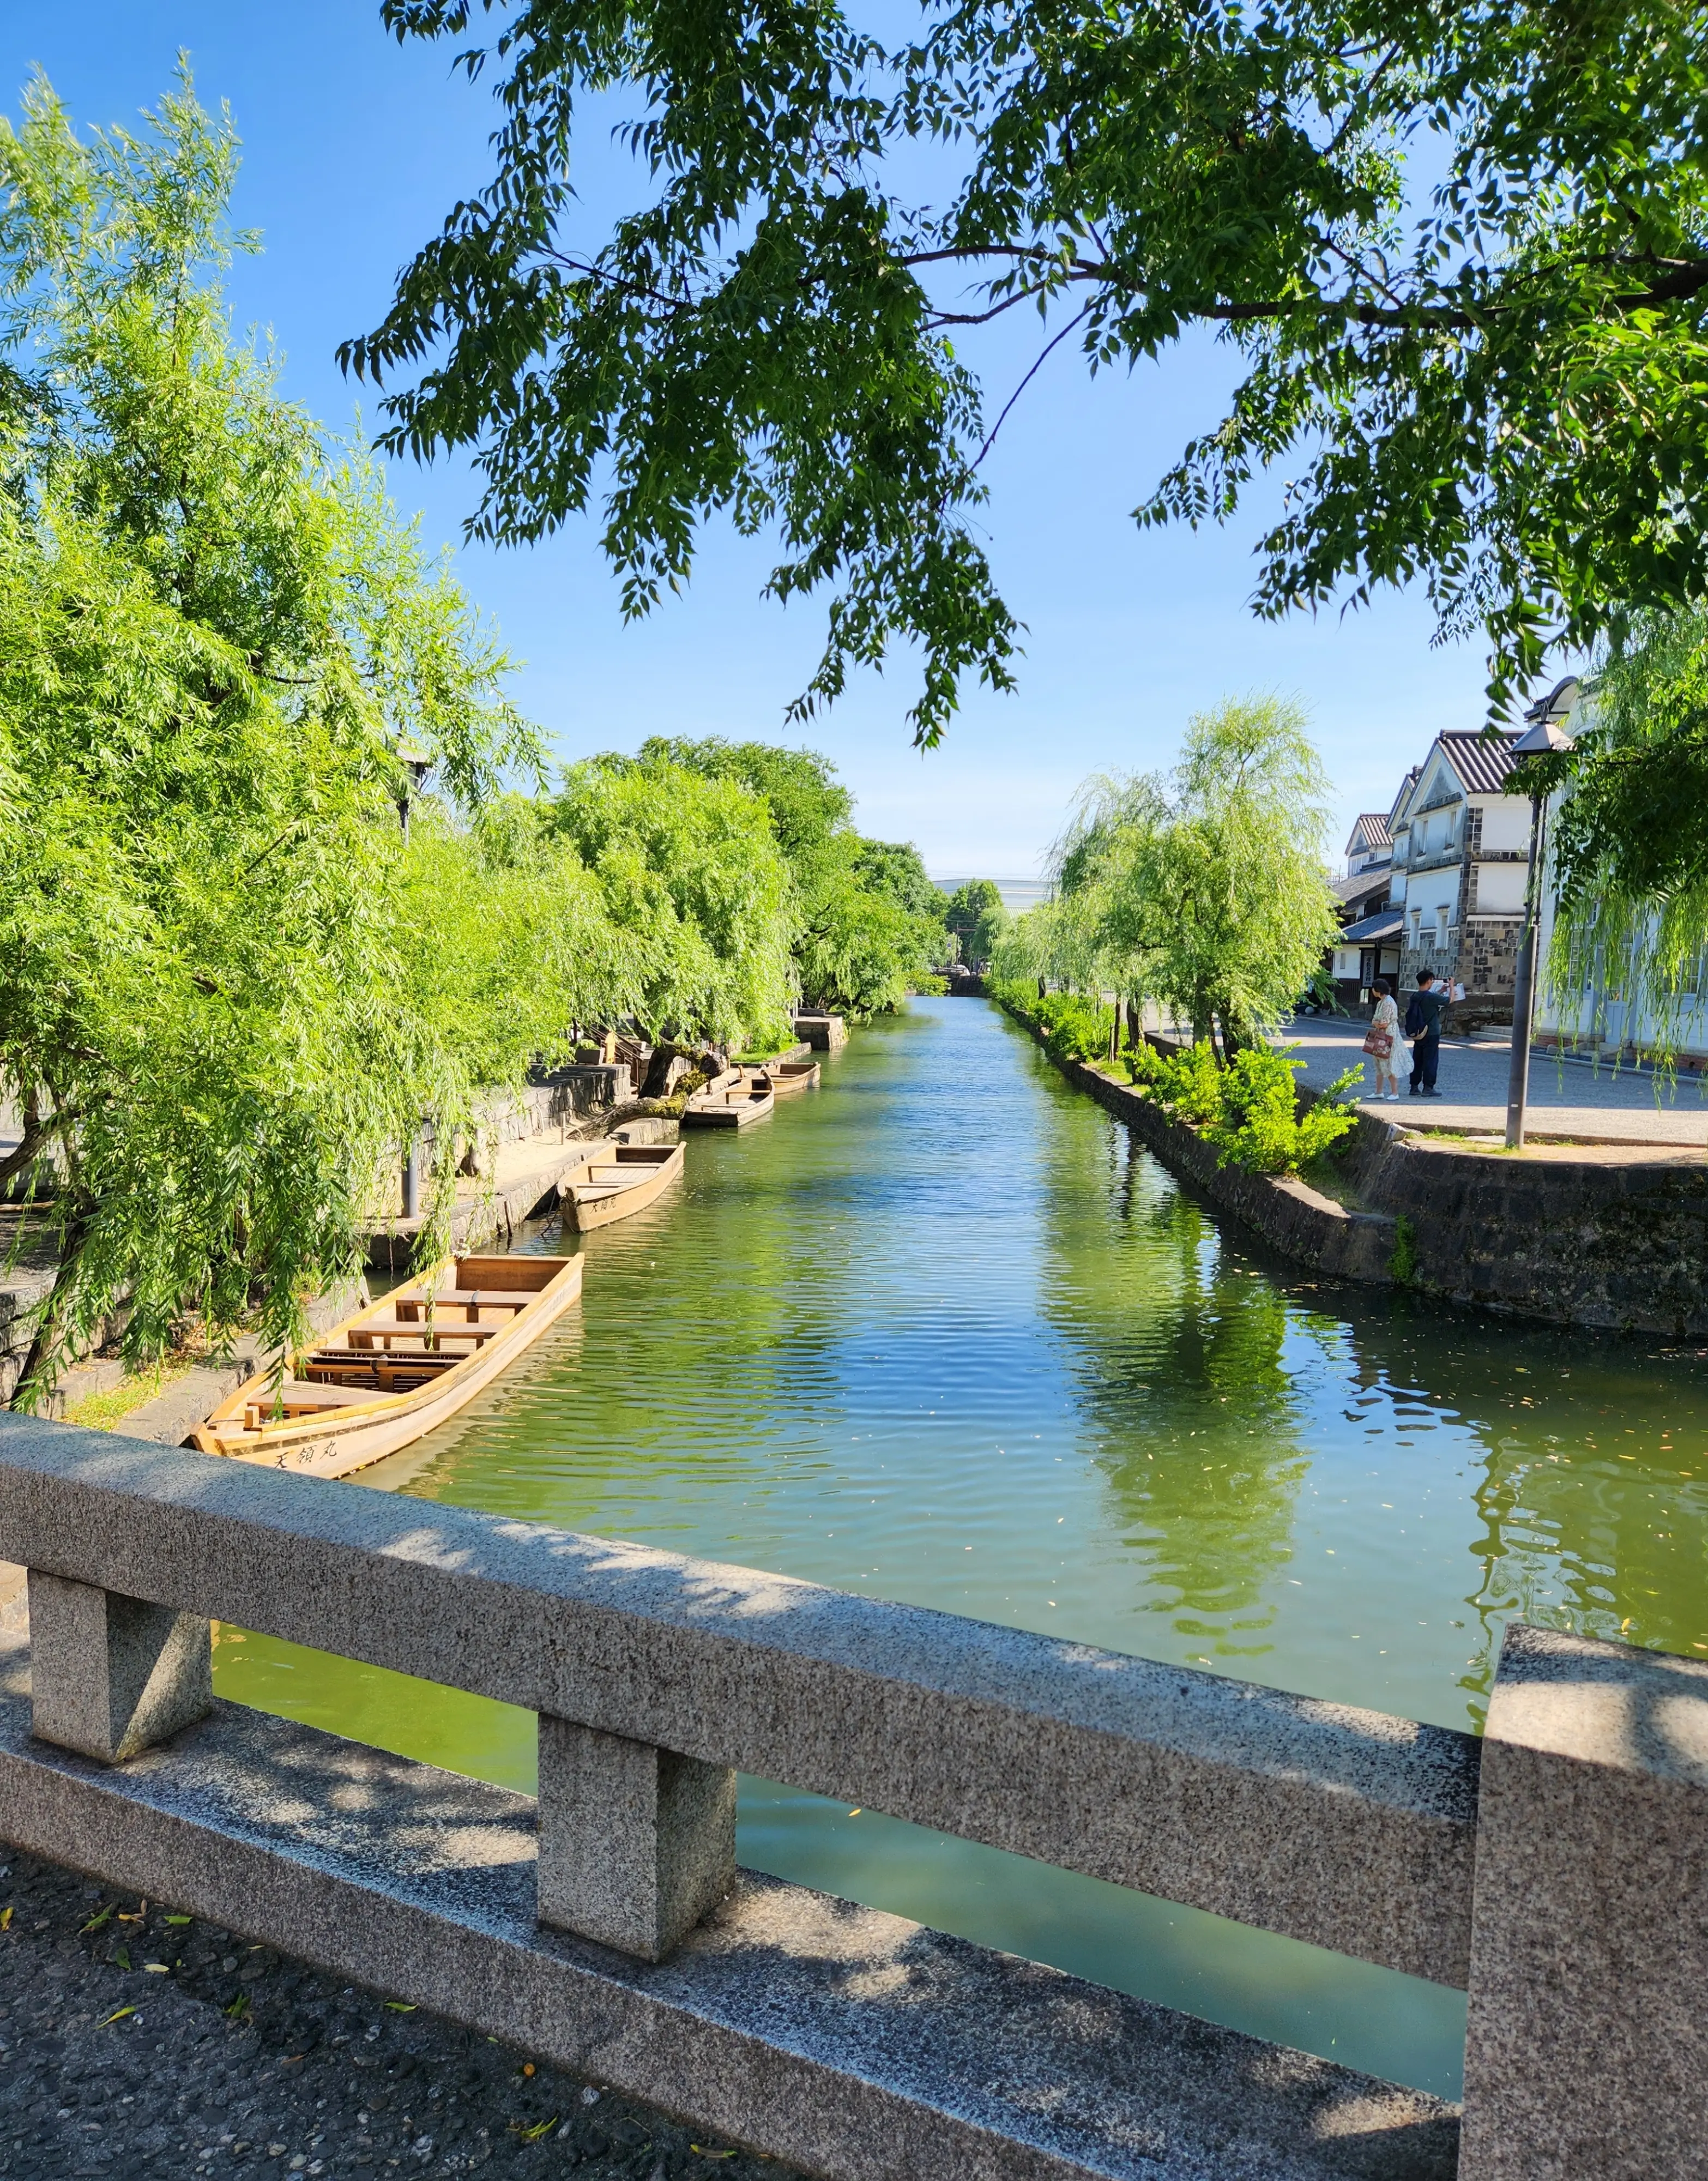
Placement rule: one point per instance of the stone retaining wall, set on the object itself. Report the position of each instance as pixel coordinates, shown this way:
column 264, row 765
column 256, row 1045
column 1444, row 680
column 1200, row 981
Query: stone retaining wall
column 1288, row 1213
column 1618, row 1244
column 1605, row 1241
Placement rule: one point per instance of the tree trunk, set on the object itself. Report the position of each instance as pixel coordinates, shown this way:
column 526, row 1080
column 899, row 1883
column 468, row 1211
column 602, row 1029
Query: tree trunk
column 42, row 1348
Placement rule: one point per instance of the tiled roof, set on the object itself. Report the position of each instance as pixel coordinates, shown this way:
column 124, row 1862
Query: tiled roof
column 1360, row 888
column 1370, row 831
column 1383, row 925
column 1404, row 790
column 1481, row 761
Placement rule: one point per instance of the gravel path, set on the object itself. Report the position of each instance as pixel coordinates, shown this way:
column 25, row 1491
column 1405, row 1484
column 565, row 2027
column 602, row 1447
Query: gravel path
column 136, row 2043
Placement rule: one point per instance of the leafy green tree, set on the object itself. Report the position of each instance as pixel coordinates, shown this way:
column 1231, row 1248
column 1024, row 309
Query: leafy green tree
column 857, row 948
column 977, row 918
column 691, row 864
column 1207, row 890
column 1487, row 365
column 221, row 1012
column 897, row 869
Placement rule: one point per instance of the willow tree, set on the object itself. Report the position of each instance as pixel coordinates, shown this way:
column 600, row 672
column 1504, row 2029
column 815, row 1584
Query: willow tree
column 862, row 935
column 693, row 864
column 1206, row 889
column 213, row 632
column 1629, row 844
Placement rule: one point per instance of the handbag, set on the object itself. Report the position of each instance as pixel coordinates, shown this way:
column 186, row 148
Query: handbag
column 1379, row 1042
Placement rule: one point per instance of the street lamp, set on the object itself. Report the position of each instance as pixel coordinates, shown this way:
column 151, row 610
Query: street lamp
column 1544, row 734
column 416, row 764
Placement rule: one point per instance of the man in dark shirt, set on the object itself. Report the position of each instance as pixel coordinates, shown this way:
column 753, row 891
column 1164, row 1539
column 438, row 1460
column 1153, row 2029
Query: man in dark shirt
column 1422, row 1026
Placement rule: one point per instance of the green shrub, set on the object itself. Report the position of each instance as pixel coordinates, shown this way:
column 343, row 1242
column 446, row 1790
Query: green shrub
column 1249, row 1110
column 1187, row 1083
column 1074, row 1027
column 1261, row 1127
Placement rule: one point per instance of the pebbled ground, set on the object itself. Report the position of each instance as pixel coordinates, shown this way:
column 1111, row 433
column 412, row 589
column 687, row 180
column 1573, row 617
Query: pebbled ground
column 135, row 2042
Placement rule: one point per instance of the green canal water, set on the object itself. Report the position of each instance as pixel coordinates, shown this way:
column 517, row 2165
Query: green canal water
column 942, row 1332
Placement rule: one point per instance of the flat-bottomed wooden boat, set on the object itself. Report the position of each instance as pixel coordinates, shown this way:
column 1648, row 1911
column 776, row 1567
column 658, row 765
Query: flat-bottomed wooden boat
column 786, row 1077
column 615, row 1179
column 395, row 1369
column 733, row 1108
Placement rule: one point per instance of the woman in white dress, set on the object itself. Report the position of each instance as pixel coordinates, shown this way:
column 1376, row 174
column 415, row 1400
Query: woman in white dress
column 1384, row 1023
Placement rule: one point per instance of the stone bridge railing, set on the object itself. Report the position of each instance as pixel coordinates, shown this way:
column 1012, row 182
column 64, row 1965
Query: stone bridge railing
column 1558, row 1870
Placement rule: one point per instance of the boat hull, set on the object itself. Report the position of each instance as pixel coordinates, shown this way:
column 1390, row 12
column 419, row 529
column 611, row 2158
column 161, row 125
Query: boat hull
column 334, row 1442
column 734, row 1109
column 587, row 1204
column 789, row 1078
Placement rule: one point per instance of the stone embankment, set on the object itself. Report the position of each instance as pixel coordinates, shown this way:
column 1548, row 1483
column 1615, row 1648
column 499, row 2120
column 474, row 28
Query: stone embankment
column 1606, row 1236
column 1292, row 1216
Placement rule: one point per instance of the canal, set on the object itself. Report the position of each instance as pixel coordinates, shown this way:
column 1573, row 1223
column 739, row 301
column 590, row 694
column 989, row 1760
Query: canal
column 942, row 1332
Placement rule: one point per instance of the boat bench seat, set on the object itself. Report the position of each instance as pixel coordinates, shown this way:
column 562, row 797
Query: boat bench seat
column 392, row 1371
column 411, row 1307
column 302, row 1397
column 444, row 1328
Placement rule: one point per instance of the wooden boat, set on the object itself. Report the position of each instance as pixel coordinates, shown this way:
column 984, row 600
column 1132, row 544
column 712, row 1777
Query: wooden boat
column 731, row 1108
column 614, row 1179
column 394, row 1368
column 786, row 1077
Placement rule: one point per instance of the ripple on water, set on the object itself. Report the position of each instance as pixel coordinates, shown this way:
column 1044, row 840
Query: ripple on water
column 941, row 1332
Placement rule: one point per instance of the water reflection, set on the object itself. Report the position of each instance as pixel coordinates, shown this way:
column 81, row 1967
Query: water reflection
column 942, row 1332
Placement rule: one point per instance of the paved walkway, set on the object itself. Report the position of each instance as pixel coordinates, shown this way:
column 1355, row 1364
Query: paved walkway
column 1570, row 1099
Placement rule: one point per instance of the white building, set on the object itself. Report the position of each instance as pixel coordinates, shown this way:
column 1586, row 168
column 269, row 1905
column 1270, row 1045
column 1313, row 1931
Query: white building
column 1461, row 851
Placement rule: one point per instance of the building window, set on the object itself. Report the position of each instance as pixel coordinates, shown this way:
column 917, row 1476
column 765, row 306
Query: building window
column 1417, row 924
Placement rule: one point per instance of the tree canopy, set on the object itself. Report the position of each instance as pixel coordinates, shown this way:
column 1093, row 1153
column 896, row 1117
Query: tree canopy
column 977, row 918
column 229, row 990
column 1205, row 888
column 865, row 922
column 1460, row 248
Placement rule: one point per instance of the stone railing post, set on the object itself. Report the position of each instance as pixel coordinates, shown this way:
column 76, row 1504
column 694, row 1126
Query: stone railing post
column 637, row 1844
column 1586, row 2058
column 109, row 1675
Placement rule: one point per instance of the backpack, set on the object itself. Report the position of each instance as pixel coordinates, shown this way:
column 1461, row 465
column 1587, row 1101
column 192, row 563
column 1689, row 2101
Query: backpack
column 1414, row 1024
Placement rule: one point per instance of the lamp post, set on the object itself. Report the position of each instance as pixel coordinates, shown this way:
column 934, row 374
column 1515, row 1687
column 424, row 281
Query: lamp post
column 1544, row 734
column 416, row 764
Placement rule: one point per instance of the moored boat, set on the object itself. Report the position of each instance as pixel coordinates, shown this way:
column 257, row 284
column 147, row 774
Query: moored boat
column 395, row 1369
column 615, row 1179
column 730, row 1108
column 786, row 1077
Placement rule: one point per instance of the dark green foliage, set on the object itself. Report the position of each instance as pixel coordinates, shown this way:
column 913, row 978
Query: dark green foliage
column 897, row 869
column 1487, row 369
column 976, row 917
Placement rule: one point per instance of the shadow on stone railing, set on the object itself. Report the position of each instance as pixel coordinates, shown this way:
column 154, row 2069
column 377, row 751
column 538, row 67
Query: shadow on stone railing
column 606, row 1927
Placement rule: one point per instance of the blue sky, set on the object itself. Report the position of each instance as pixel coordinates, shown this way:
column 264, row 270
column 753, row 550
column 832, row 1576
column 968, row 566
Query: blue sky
column 354, row 150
